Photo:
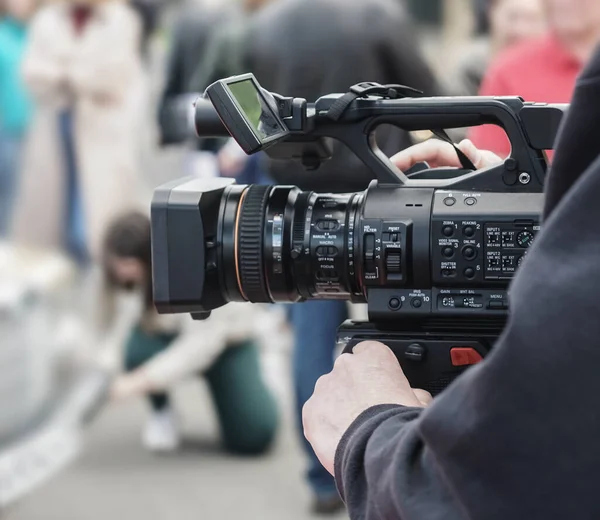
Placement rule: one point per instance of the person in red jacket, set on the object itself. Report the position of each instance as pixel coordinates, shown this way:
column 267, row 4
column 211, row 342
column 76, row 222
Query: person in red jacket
column 543, row 69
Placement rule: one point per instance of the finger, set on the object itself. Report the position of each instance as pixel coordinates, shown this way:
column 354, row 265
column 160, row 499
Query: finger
column 479, row 158
column 377, row 354
column 370, row 348
column 341, row 360
column 434, row 152
column 423, row 396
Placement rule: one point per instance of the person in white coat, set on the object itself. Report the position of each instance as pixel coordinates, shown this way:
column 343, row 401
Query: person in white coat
column 81, row 166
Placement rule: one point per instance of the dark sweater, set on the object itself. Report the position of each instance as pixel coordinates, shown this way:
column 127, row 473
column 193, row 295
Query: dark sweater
column 518, row 436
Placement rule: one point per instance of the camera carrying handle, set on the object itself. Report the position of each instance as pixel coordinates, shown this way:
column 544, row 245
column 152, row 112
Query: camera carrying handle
column 530, row 128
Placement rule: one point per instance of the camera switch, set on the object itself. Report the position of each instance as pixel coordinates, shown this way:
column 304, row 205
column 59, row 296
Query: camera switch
column 415, row 352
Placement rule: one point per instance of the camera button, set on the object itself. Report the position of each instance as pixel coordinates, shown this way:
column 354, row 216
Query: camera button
column 448, row 252
column 395, row 304
column 469, row 252
column 449, row 201
column 416, row 303
column 461, row 356
column 470, row 201
column 469, row 231
column 448, row 231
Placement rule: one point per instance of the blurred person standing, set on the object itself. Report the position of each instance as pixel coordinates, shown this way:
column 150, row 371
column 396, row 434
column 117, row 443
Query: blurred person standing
column 226, row 55
column 544, row 69
column 504, row 23
column 191, row 34
column 149, row 12
column 340, row 44
column 162, row 350
column 81, row 165
column 15, row 104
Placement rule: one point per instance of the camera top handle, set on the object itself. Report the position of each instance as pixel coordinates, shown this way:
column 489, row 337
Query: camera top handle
column 530, row 127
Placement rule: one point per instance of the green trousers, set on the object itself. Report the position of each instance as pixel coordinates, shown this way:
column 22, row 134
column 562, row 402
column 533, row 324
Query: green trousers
column 245, row 407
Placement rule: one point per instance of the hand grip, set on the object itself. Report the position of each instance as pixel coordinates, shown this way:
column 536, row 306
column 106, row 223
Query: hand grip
column 432, row 365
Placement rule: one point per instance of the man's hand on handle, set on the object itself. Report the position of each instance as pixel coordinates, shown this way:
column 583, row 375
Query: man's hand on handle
column 439, row 154
column 366, row 378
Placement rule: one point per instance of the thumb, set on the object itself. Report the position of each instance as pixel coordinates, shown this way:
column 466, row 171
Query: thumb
column 423, row 396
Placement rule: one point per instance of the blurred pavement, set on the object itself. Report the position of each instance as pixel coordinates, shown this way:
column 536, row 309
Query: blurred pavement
column 116, row 478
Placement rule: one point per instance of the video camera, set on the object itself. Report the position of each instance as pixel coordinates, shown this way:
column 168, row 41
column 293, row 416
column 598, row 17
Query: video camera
column 432, row 251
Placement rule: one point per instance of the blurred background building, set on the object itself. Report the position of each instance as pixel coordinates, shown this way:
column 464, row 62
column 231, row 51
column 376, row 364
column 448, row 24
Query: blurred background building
column 94, row 107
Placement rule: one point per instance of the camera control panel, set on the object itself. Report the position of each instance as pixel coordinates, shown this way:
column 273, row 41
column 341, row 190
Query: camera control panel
column 480, row 238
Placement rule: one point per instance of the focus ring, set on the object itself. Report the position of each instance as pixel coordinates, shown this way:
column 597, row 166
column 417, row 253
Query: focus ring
column 250, row 240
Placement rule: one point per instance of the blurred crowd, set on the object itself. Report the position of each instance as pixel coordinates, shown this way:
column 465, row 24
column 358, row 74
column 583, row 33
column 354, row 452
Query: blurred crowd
column 75, row 92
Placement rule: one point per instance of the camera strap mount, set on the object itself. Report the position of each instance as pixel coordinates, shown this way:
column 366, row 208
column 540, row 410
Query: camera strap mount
column 366, row 89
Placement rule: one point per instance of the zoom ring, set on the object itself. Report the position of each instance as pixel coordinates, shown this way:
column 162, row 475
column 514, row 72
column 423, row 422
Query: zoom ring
column 250, row 239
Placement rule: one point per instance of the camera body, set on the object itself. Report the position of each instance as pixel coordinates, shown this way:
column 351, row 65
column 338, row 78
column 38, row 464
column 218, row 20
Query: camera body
column 432, row 252
column 461, row 249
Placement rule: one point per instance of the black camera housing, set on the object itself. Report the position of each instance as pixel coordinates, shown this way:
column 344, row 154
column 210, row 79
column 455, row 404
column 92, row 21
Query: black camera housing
column 431, row 252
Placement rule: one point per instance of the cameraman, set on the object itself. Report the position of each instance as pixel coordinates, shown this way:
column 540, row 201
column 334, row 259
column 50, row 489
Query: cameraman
column 515, row 437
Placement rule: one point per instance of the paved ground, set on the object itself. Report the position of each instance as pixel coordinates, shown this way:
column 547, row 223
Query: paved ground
column 116, row 478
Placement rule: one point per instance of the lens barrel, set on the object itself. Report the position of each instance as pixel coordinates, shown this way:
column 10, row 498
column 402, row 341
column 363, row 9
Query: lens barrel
column 280, row 244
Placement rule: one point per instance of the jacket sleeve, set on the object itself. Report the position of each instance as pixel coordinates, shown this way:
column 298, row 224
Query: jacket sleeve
column 515, row 436
column 110, row 316
column 107, row 67
column 200, row 343
column 384, row 437
column 44, row 68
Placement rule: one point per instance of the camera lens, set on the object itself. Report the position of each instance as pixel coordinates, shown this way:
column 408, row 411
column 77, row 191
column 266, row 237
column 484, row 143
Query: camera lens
column 249, row 250
column 279, row 244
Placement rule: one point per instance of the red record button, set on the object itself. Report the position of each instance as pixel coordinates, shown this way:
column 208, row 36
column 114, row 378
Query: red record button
column 462, row 356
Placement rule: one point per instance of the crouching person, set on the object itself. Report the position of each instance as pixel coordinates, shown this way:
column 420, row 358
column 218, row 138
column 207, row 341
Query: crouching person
column 160, row 351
